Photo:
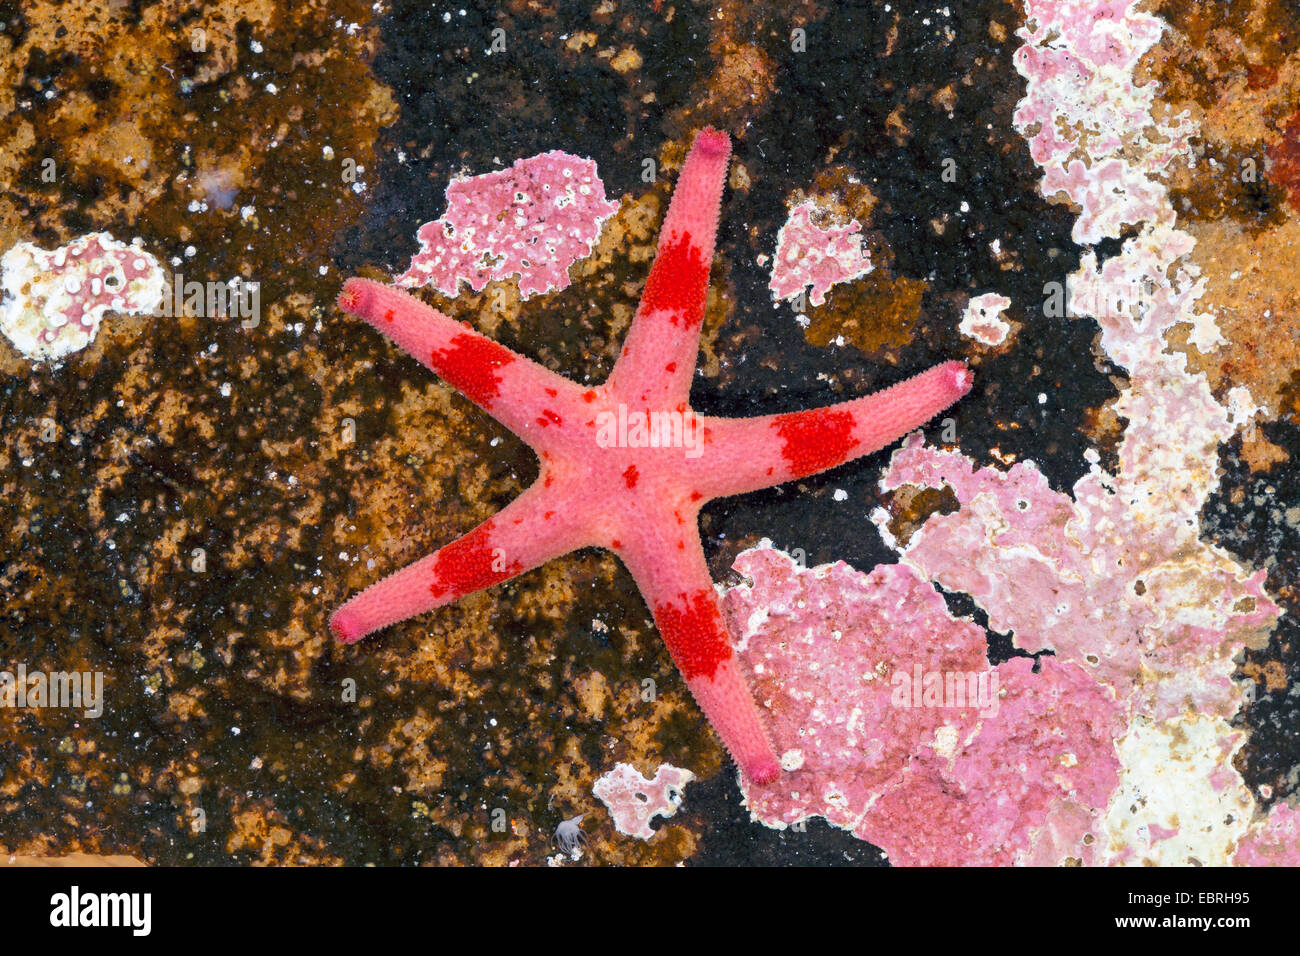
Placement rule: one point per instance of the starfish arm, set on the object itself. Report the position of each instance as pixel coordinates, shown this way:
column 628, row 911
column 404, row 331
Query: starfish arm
column 674, row 580
column 659, row 353
column 523, row 396
column 531, row 530
column 746, row 454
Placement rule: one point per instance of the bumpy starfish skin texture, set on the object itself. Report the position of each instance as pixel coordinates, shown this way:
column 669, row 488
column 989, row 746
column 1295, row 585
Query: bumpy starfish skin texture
column 643, row 503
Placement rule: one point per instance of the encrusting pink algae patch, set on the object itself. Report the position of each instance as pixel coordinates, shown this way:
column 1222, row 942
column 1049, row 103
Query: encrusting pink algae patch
column 891, row 723
column 982, row 319
column 633, row 801
column 1134, row 598
column 1276, row 843
column 533, row 220
column 1088, row 124
column 808, row 256
column 54, row 301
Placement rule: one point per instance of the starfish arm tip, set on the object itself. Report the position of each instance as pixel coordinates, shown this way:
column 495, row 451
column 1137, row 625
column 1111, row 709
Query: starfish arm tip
column 346, row 627
column 712, row 141
column 763, row 773
column 962, row 378
column 352, row 295
column 343, row 631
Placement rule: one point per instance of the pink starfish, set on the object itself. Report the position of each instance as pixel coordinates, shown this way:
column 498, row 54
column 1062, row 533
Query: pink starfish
column 611, row 478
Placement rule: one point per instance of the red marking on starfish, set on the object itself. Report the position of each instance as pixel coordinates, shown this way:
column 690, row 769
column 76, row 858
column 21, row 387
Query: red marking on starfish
column 816, row 440
column 602, row 483
column 693, row 630
column 472, row 364
column 388, row 316
column 679, row 287
column 470, row 564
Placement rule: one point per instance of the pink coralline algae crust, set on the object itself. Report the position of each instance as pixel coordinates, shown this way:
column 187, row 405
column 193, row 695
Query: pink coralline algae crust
column 1276, row 843
column 809, row 256
column 1083, row 114
column 533, row 220
column 982, row 320
column 633, row 801
column 827, row 649
column 54, row 301
column 1140, row 605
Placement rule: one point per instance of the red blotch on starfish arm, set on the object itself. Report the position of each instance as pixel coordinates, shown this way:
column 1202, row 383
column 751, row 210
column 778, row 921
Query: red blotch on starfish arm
column 630, row 476
column 695, row 633
column 678, row 283
column 815, row 440
column 470, row 564
column 472, row 364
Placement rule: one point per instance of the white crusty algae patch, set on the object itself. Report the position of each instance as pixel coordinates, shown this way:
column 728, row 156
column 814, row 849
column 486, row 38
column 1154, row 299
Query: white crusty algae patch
column 54, row 301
